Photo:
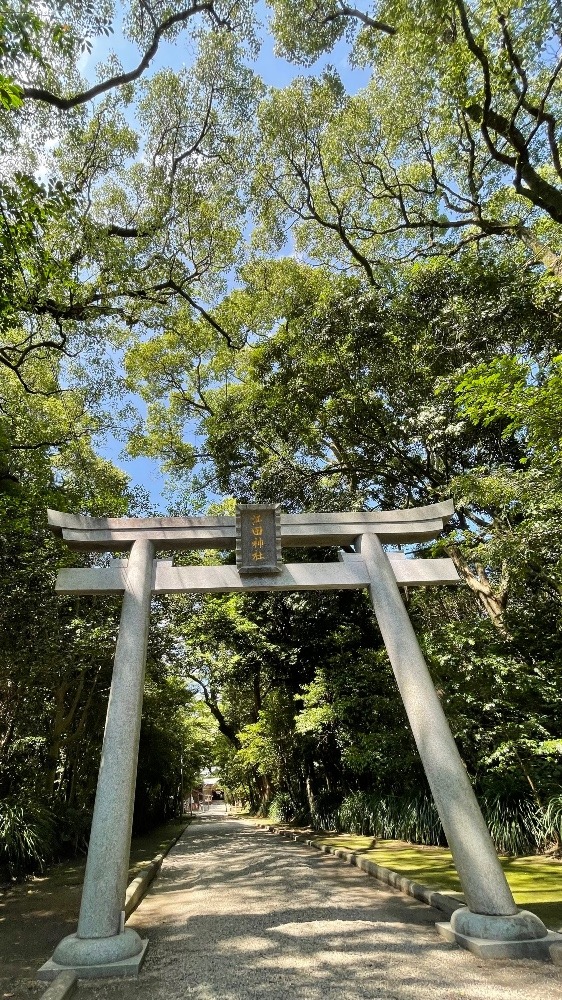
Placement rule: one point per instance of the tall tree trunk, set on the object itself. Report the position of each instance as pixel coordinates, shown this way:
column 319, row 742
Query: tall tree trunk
column 256, row 683
column 492, row 602
column 54, row 747
column 212, row 704
column 265, row 792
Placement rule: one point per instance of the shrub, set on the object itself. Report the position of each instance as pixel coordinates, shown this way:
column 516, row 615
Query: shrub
column 72, row 829
column 516, row 825
column 553, row 820
column 26, row 836
column 413, row 818
column 281, row 808
column 323, row 811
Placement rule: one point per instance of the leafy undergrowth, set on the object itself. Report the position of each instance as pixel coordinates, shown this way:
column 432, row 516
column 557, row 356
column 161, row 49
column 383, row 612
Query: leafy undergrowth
column 143, row 849
column 536, row 883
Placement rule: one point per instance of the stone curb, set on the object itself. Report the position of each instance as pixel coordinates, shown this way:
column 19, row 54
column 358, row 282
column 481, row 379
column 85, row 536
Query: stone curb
column 63, row 986
column 66, row 982
column 138, row 888
column 423, row 893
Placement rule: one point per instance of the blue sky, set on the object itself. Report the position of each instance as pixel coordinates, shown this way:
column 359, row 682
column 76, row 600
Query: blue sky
column 275, row 72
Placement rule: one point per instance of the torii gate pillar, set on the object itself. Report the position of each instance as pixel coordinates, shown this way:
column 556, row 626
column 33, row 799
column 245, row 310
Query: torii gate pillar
column 102, row 944
column 490, row 924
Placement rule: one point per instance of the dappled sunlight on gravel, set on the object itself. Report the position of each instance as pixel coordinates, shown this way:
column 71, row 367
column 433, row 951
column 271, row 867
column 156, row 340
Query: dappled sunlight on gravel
column 241, row 914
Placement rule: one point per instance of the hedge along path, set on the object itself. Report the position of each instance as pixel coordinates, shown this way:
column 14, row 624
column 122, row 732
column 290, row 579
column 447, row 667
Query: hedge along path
column 536, row 883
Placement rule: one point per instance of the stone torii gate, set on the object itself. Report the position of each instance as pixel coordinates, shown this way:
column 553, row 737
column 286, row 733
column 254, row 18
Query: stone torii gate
column 490, row 923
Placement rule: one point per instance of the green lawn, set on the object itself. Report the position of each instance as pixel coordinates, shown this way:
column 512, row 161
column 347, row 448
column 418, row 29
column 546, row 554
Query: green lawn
column 536, row 883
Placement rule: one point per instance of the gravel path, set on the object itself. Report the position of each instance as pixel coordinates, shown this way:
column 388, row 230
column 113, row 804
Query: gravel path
column 241, row 914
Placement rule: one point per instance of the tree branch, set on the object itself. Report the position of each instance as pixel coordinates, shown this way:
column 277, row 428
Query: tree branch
column 66, row 103
column 537, row 190
column 224, row 727
column 359, row 15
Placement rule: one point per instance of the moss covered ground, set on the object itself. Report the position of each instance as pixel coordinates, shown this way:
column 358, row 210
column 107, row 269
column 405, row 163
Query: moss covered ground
column 536, row 882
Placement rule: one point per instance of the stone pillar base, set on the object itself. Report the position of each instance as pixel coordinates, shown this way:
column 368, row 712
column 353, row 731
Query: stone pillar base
column 537, row 948
column 93, row 958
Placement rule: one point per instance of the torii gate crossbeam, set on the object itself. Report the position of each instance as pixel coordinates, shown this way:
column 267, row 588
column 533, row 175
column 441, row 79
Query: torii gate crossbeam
column 490, row 924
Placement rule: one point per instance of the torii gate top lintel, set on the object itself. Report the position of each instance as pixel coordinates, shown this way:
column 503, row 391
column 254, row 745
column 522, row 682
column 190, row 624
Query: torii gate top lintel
column 103, row 534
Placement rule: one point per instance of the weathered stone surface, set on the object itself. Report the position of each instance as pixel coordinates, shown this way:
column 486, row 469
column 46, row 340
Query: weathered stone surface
column 349, row 574
column 140, row 885
column 448, row 904
column 99, row 940
column 540, row 949
column 112, row 533
column 521, row 926
column 75, row 951
column 104, row 968
column 484, row 884
column 556, row 952
column 105, row 881
column 62, row 987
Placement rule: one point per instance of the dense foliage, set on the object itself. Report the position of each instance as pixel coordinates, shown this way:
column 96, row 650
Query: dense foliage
column 330, row 297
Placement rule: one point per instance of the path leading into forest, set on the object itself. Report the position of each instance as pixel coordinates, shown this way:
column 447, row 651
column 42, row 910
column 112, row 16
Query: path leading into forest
column 238, row 913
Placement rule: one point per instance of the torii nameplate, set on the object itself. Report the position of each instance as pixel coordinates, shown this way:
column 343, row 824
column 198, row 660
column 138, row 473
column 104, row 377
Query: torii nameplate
column 258, row 538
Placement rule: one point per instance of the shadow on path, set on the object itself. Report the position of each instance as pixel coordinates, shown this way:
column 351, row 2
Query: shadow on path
column 241, row 914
